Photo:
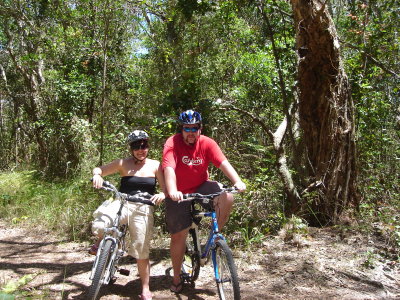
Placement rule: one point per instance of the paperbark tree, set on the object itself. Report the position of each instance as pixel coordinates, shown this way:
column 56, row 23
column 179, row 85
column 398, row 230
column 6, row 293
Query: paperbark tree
column 326, row 114
column 23, row 45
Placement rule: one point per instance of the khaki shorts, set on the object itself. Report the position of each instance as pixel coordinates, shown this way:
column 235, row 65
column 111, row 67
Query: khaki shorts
column 178, row 215
column 139, row 218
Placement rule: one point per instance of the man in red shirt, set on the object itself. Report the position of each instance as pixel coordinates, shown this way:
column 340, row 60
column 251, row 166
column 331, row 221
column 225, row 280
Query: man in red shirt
column 186, row 157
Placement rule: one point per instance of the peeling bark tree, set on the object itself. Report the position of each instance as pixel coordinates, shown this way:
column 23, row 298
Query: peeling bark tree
column 326, row 113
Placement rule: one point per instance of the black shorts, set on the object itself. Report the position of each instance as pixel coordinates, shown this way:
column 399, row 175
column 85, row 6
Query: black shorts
column 178, row 216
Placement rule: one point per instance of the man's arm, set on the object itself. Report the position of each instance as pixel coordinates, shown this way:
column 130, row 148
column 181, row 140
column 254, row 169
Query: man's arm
column 233, row 176
column 170, row 184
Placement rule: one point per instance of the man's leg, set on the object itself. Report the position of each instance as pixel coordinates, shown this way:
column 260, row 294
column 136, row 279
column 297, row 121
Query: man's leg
column 223, row 208
column 177, row 249
column 144, row 273
column 222, row 204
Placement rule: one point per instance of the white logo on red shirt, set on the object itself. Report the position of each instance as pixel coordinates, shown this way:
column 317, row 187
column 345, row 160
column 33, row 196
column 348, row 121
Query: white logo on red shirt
column 192, row 162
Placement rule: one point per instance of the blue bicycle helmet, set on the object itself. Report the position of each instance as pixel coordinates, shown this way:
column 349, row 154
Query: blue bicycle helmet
column 190, row 117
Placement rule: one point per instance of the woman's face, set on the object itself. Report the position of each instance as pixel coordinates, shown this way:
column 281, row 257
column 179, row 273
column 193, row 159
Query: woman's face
column 140, row 149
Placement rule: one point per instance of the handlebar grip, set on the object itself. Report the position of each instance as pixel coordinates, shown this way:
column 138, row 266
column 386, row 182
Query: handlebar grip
column 106, row 183
column 140, row 198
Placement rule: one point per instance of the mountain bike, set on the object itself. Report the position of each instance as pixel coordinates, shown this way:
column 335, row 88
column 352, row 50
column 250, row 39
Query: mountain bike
column 112, row 247
column 216, row 247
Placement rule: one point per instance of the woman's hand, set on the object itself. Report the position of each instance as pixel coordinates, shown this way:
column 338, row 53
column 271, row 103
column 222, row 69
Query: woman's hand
column 97, row 181
column 158, row 198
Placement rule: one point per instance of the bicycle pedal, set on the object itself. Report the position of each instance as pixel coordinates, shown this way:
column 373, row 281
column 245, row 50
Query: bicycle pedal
column 113, row 280
column 124, row 272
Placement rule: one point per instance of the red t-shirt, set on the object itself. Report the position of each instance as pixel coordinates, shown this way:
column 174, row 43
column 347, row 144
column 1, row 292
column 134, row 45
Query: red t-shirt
column 191, row 162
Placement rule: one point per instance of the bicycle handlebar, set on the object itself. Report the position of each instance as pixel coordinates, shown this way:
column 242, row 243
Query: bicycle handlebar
column 141, row 197
column 207, row 198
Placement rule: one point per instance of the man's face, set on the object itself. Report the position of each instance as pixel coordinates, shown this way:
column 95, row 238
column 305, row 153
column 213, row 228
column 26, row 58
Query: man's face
column 190, row 133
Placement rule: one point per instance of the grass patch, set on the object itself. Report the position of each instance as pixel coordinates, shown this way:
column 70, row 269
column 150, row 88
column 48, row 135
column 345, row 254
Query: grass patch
column 63, row 207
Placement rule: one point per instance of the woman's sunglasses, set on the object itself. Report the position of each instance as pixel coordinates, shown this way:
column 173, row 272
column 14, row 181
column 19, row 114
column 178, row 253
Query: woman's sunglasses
column 140, row 145
column 190, row 129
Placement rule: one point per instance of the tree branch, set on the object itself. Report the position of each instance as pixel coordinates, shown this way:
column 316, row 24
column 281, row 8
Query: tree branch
column 251, row 116
column 373, row 59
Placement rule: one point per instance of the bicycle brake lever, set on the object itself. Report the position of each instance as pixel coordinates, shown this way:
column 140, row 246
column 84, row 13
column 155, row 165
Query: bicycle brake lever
column 106, row 184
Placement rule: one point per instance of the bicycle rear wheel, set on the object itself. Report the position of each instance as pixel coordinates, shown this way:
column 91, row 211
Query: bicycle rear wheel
column 191, row 261
column 98, row 277
column 226, row 274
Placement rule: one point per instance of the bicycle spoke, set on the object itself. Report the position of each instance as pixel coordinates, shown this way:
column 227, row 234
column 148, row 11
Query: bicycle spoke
column 98, row 278
column 227, row 279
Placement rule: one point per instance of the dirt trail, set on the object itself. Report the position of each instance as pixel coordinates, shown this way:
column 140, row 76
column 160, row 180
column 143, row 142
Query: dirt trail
column 326, row 265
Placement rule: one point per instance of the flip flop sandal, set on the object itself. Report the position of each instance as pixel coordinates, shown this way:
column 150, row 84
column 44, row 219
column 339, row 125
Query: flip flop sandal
column 93, row 249
column 176, row 288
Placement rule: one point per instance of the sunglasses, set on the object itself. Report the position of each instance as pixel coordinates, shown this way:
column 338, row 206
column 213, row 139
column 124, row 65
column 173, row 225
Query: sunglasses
column 140, row 146
column 190, row 129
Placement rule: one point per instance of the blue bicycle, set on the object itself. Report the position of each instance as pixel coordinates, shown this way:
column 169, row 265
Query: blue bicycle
column 215, row 247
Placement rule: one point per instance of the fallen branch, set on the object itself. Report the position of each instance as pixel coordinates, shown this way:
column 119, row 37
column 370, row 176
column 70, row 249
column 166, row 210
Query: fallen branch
column 374, row 283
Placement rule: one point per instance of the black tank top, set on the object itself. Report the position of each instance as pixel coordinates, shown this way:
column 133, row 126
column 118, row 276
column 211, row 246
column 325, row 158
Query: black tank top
column 133, row 184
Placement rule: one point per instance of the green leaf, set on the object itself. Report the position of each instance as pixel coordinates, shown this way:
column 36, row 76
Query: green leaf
column 4, row 296
column 12, row 285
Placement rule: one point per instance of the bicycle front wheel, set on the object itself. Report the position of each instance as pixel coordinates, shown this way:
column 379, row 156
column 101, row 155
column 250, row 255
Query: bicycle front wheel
column 225, row 272
column 98, row 276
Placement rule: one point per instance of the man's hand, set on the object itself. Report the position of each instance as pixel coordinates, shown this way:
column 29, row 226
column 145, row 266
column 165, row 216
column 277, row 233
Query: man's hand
column 240, row 185
column 176, row 196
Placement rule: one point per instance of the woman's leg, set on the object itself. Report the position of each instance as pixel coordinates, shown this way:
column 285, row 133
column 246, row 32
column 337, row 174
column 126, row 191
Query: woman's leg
column 144, row 273
column 140, row 224
column 104, row 216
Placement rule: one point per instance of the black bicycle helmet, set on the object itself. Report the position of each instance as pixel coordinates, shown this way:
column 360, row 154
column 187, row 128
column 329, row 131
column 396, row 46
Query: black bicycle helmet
column 137, row 135
column 190, row 117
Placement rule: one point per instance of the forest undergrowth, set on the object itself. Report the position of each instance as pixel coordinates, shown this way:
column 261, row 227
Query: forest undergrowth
column 282, row 246
column 66, row 209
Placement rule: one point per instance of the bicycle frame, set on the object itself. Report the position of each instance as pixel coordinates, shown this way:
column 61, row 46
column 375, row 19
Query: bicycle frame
column 212, row 236
column 216, row 247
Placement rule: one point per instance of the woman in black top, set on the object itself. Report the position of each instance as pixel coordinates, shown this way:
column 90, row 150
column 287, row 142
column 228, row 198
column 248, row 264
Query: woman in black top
column 138, row 174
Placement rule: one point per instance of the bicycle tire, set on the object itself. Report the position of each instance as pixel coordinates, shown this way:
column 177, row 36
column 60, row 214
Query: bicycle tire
column 104, row 257
column 228, row 282
column 191, row 261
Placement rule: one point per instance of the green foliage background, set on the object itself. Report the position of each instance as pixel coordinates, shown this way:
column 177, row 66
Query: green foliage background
column 105, row 68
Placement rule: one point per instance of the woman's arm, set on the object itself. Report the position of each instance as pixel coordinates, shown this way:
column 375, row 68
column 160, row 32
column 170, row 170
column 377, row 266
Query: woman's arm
column 158, row 198
column 100, row 172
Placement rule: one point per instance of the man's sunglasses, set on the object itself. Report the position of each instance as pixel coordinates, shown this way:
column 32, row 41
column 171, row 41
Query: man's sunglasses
column 140, row 145
column 190, row 129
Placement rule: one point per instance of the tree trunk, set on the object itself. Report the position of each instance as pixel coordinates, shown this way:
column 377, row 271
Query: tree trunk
column 326, row 114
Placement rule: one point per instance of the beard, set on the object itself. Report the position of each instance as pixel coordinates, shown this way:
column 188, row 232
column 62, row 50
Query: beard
column 190, row 140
